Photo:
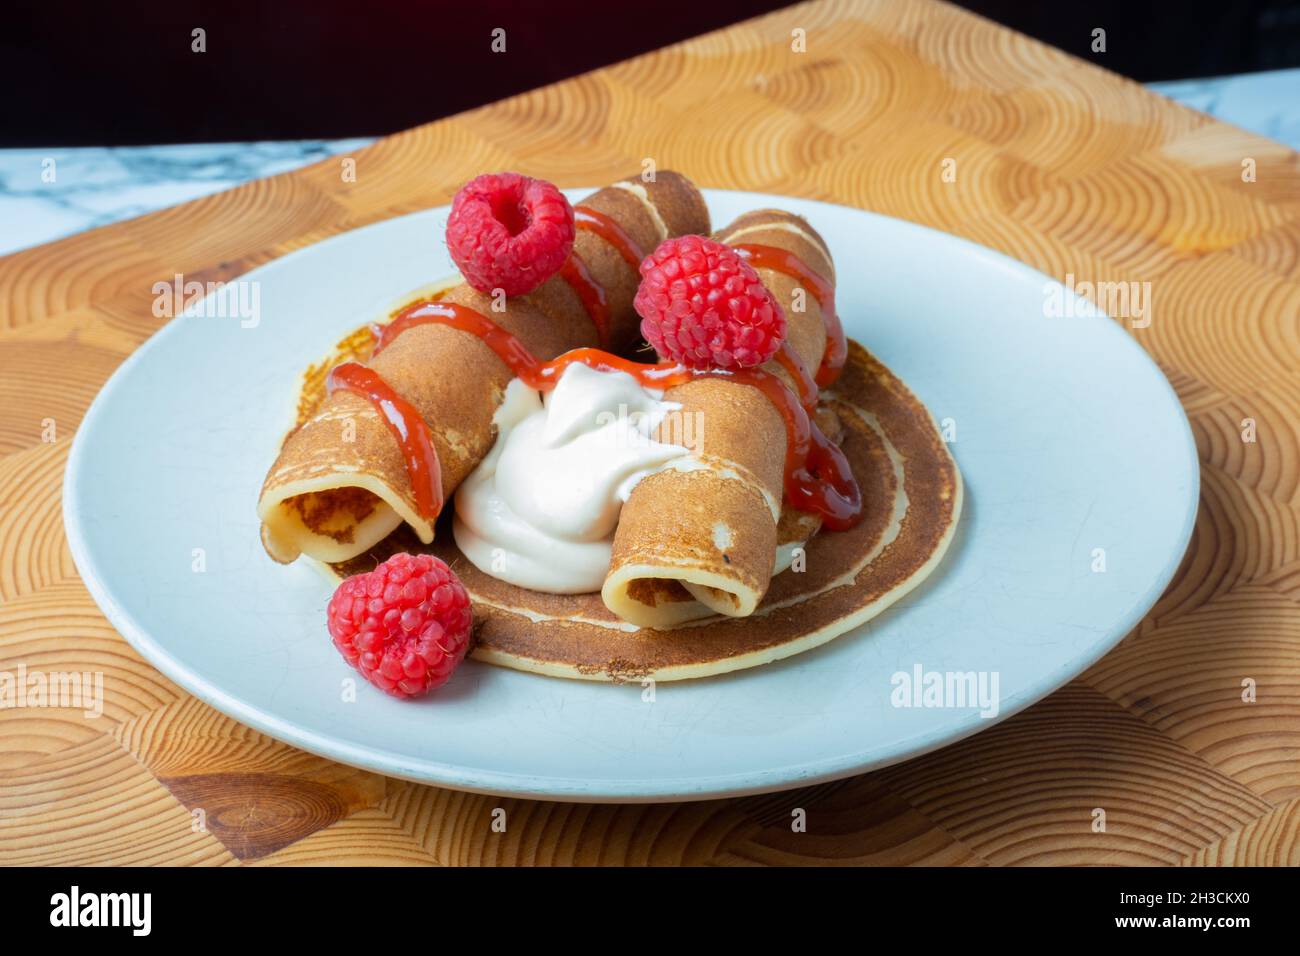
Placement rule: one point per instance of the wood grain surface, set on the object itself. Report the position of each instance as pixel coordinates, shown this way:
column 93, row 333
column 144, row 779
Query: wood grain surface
column 1058, row 163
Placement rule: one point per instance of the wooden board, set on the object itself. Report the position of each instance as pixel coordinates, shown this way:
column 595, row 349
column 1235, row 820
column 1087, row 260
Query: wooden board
column 1058, row 163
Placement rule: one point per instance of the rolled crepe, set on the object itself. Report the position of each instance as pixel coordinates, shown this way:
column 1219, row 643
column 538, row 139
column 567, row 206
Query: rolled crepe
column 701, row 536
column 340, row 485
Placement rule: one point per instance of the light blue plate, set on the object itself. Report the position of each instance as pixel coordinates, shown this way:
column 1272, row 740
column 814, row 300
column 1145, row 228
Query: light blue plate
column 1075, row 453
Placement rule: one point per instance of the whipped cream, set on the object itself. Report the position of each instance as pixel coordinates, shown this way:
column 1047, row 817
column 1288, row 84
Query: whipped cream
column 541, row 509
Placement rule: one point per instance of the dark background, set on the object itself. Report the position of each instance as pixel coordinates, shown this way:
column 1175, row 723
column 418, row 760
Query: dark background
column 121, row 72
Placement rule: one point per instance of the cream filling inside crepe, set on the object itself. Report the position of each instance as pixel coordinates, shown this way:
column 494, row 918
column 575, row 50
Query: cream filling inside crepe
column 540, row 510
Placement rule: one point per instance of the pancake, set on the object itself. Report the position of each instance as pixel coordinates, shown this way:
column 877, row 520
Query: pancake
column 700, row 537
column 340, row 482
column 912, row 494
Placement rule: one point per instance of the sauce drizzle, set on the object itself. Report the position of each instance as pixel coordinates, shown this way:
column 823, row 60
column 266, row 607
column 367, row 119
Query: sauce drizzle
column 584, row 217
column 779, row 260
column 407, row 426
column 578, row 276
column 575, row 273
column 790, row 361
column 817, row 475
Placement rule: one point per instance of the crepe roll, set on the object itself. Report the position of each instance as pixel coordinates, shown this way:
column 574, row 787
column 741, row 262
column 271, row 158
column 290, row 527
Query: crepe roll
column 340, row 482
column 702, row 536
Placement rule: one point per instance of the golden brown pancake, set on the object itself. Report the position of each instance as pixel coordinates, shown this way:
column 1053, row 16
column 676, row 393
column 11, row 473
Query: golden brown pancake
column 912, row 495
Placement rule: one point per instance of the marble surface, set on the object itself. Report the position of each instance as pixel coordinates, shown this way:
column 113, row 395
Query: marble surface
column 49, row 193
column 1264, row 103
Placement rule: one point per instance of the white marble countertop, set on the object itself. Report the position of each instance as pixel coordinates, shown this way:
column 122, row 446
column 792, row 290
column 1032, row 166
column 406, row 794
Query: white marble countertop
column 49, row 193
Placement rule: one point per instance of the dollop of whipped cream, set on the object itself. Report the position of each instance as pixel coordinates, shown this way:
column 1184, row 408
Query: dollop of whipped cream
column 541, row 509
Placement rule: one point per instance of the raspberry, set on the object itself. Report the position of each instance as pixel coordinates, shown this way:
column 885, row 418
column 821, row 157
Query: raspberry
column 701, row 304
column 507, row 231
column 405, row 625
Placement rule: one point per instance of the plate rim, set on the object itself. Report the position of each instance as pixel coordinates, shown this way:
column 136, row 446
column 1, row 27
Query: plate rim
column 612, row 790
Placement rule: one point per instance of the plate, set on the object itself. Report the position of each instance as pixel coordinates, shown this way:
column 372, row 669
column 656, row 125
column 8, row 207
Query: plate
column 1081, row 487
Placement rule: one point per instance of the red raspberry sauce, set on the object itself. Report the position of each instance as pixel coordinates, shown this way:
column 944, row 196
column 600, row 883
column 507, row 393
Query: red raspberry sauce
column 778, row 260
column 575, row 272
column 584, row 217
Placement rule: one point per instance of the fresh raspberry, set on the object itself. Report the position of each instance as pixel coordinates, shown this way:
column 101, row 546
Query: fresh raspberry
column 701, row 304
column 507, row 231
column 405, row 625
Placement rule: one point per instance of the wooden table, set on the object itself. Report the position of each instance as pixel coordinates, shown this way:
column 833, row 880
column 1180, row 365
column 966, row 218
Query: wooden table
column 1058, row 163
